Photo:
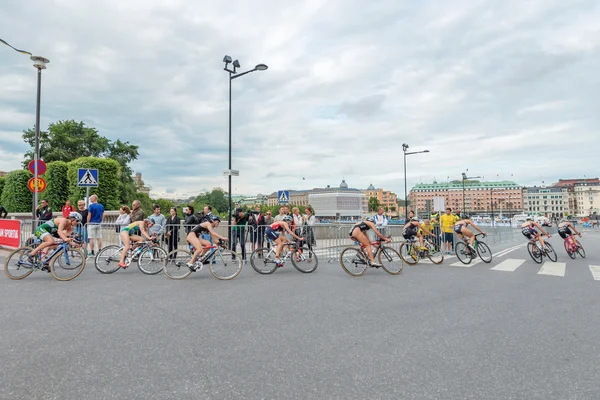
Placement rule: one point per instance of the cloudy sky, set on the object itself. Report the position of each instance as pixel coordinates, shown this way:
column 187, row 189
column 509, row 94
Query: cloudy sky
column 506, row 89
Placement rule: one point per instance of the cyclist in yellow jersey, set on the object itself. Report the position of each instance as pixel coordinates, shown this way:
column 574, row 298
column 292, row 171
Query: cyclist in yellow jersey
column 426, row 228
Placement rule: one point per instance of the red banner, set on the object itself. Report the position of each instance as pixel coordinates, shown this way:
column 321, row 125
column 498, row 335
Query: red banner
column 10, row 233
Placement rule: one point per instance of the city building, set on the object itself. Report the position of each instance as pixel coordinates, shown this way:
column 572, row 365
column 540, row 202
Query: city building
column 3, row 173
column 139, row 184
column 386, row 199
column 550, row 202
column 581, row 195
column 487, row 198
column 259, row 199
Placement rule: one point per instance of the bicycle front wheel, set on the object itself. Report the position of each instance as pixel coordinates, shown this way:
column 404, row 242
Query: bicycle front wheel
column 73, row 259
column 225, row 264
column 535, row 252
column 263, row 261
column 549, row 250
column 568, row 249
column 107, row 259
column 152, row 260
column 408, row 253
column 305, row 260
column 17, row 266
column 462, row 253
column 390, row 260
column 353, row 261
column 484, row 252
column 580, row 250
column 176, row 265
column 434, row 253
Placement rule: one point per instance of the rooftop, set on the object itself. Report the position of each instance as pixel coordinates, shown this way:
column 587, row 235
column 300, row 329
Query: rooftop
column 468, row 184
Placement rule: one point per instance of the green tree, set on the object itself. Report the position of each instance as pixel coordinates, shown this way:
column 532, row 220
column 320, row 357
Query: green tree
column 109, row 176
column 217, row 198
column 16, row 196
column 57, row 190
column 165, row 205
column 2, row 181
column 373, row 204
column 146, row 202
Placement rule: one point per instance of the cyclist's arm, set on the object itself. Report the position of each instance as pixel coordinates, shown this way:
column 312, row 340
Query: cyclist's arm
column 540, row 228
column 214, row 233
column 575, row 230
column 143, row 231
column 476, row 227
column 372, row 226
column 62, row 232
column 287, row 228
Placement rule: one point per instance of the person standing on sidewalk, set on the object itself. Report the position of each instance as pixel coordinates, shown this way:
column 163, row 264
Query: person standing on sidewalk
column 67, row 209
column 447, row 222
column 238, row 231
column 137, row 214
column 95, row 218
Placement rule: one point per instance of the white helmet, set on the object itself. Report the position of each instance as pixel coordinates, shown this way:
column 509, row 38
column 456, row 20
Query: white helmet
column 75, row 215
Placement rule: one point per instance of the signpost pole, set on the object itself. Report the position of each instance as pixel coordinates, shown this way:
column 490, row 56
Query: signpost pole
column 87, row 197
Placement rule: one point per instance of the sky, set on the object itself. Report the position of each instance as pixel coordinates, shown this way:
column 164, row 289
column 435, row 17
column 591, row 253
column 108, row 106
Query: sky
column 505, row 90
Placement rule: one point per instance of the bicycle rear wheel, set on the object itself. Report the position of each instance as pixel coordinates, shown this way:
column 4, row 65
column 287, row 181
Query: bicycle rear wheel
column 263, row 261
column 152, row 260
column 549, row 250
column 408, row 253
column 534, row 252
column 176, row 265
column 390, row 260
column 570, row 252
column 225, row 264
column 74, row 259
column 434, row 253
column 462, row 254
column 107, row 259
column 305, row 260
column 353, row 261
column 580, row 250
column 17, row 266
column 484, row 252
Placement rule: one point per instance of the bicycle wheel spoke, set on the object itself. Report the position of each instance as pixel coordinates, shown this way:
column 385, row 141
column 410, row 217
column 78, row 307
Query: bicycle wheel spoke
column 107, row 259
column 353, row 261
column 73, row 259
column 484, row 252
column 17, row 265
column 225, row 264
column 408, row 253
column 263, row 260
column 391, row 260
column 580, row 250
column 152, row 260
column 462, row 253
column 434, row 253
column 305, row 260
column 176, row 264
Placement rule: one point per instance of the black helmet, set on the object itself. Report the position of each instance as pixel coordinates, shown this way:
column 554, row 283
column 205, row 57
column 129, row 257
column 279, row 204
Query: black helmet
column 214, row 218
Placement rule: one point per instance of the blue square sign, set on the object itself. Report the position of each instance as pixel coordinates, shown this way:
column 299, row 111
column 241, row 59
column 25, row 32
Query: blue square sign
column 283, row 196
column 87, row 177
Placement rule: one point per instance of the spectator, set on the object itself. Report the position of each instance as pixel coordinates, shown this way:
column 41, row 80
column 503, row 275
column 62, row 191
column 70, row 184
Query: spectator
column 268, row 221
column 172, row 233
column 159, row 222
column 207, row 214
column 67, row 209
column 81, row 229
column 44, row 213
column 190, row 220
column 298, row 222
column 447, row 222
column 257, row 221
column 3, row 212
column 381, row 221
column 94, row 219
column 123, row 220
column 309, row 233
column 238, row 231
column 435, row 221
column 137, row 214
column 282, row 213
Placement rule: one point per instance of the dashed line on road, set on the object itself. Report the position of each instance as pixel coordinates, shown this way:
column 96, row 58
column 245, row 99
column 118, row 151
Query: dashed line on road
column 509, row 265
column 510, row 249
column 553, row 268
column 595, row 270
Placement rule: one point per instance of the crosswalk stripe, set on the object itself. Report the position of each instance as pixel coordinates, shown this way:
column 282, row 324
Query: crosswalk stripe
column 595, row 270
column 553, row 268
column 508, row 265
column 459, row 264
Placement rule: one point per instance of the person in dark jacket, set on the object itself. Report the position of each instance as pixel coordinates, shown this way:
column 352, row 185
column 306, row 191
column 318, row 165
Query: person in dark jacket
column 190, row 219
column 45, row 212
column 3, row 212
column 172, row 230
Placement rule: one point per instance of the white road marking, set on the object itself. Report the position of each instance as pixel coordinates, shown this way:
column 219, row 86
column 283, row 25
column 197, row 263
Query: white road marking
column 510, row 249
column 459, row 264
column 595, row 270
column 509, row 265
column 553, row 268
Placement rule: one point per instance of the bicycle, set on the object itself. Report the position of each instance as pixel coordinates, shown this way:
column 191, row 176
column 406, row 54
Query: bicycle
column 354, row 260
column 467, row 253
column 303, row 259
column 65, row 257
column 219, row 258
column 150, row 258
column 574, row 248
column 537, row 252
column 411, row 253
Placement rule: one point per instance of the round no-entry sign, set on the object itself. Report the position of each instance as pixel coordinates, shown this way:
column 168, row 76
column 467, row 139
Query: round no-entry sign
column 41, row 185
column 41, row 167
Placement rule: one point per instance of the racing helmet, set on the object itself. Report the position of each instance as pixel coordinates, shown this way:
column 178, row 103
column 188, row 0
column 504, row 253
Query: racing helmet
column 75, row 215
column 288, row 218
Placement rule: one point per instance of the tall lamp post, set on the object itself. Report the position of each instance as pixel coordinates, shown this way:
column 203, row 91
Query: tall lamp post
column 40, row 64
column 404, row 148
column 464, row 178
column 233, row 74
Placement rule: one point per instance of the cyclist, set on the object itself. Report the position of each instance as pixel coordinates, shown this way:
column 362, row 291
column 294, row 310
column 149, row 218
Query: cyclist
column 358, row 234
column 200, row 244
column 462, row 230
column 528, row 230
column 412, row 229
column 57, row 228
column 134, row 232
column 566, row 229
column 274, row 233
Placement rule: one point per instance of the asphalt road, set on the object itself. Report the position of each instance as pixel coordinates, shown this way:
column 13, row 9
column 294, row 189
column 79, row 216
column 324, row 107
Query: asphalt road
column 433, row 332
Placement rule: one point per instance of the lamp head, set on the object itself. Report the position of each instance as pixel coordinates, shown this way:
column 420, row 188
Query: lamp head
column 226, row 60
column 39, row 62
column 261, row 67
column 236, row 64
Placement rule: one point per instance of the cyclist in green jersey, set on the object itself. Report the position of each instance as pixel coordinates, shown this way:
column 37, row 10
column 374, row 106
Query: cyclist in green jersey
column 134, row 232
column 57, row 228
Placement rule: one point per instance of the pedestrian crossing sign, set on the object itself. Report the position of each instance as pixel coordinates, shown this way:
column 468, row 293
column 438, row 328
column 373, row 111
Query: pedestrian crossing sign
column 283, row 196
column 87, row 177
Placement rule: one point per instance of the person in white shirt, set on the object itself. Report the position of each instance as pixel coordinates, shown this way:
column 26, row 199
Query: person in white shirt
column 380, row 221
column 123, row 220
column 310, row 220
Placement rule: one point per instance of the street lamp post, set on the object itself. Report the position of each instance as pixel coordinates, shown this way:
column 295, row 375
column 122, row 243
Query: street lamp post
column 464, row 178
column 404, row 148
column 233, row 74
column 39, row 63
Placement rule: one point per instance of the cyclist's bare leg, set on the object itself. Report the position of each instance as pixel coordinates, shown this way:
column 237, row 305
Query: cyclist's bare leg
column 48, row 241
column 467, row 233
column 201, row 245
column 538, row 236
column 281, row 240
column 420, row 237
column 364, row 241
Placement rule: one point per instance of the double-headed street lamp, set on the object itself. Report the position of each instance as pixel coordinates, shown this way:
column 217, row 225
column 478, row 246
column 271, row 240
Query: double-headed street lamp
column 464, row 178
column 404, row 148
column 40, row 64
column 233, row 74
